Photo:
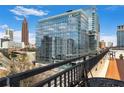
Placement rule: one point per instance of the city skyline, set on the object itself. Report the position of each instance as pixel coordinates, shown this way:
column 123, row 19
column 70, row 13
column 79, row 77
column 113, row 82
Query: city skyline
column 14, row 15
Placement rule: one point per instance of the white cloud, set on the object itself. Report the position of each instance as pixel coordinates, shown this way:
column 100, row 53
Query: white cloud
column 23, row 11
column 17, row 37
column 111, row 38
column 18, row 18
column 1, row 34
column 4, row 26
column 32, row 38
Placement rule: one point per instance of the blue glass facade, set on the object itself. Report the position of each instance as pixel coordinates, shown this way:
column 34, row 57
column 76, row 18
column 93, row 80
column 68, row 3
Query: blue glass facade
column 120, row 36
column 62, row 36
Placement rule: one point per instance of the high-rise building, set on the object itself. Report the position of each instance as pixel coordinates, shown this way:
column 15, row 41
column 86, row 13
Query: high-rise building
column 25, row 37
column 62, row 36
column 9, row 33
column 93, row 27
column 120, row 36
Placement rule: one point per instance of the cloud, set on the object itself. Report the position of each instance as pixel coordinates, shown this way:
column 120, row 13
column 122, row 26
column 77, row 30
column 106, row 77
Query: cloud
column 109, row 38
column 17, row 37
column 1, row 34
column 23, row 11
column 18, row 18
column 32, row 38
column 4, row 26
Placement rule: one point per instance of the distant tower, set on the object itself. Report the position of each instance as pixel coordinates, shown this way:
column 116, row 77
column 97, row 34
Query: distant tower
column 120, row 36
column 9, row 33
column 94, row 27
column 25, row 32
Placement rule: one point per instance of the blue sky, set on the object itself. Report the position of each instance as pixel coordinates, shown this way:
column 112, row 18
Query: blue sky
column 12, row 16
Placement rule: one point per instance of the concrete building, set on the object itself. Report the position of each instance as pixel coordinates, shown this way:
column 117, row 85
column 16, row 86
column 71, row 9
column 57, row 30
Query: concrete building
column 109, row 44
column 12, row 44
column 25, row 34
column 102, row 44
column 0, row 44
column 62, row 35
column 3, row 40
column 9, row 33
column 120, row 36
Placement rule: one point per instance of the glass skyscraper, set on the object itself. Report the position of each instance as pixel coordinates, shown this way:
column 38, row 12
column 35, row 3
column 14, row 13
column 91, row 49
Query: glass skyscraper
column 93, row 28
column 120, row 36
column 62, row 36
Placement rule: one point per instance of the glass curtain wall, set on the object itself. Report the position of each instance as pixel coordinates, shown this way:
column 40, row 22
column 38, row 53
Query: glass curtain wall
column 62, row 37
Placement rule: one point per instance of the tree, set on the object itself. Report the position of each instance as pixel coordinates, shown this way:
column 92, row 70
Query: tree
column 121, row 56
column 20, row 64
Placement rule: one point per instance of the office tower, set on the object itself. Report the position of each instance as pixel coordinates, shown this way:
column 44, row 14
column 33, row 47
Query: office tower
column 62, row 36
column 9, row 33
column 25, row 32
column 120, row 36
column 93, row 27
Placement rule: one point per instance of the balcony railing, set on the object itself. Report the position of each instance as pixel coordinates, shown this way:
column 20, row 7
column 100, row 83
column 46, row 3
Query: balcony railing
column 102, row 82
column 71, row 76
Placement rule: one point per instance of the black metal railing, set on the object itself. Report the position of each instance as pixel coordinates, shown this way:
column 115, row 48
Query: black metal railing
column 73, row 75
column 3, row 82
column 68, row 77
column 102, row 82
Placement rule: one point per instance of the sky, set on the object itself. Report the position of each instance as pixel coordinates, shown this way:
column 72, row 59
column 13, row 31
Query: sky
column 12, row 17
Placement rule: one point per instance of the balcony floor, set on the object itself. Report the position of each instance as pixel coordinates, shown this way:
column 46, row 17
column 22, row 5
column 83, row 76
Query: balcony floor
column 115, row 69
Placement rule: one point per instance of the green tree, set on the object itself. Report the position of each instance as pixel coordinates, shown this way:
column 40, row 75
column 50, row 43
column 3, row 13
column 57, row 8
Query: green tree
column 121, row 56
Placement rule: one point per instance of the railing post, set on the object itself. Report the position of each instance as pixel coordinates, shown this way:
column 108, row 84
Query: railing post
column 84, row 58
column 14, row 83
column 84, row 75
column 7, row 81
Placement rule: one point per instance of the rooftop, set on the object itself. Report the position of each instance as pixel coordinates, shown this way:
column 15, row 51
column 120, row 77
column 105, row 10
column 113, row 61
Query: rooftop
column 63, row 14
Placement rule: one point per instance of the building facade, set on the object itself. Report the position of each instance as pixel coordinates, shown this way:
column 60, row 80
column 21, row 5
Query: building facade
column 12, row 44
column 102, row 44
column 62, row 36
column 94, row 28
column 25, row 34
column 120, row 36
column 110, row 44
column 9, row 33
column 2, row 40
